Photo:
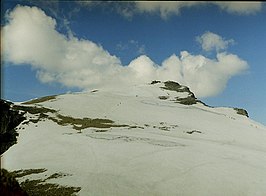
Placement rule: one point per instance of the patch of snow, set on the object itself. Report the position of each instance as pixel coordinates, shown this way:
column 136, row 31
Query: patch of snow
column 225, row 155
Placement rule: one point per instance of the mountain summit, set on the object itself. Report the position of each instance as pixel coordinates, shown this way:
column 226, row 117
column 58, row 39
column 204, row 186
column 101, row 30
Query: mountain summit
column 152, row 139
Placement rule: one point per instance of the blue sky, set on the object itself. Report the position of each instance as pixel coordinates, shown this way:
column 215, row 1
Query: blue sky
column 218, row 50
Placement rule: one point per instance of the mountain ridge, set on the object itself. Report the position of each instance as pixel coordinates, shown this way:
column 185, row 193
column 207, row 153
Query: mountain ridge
column 130, row 140
column 168, row 85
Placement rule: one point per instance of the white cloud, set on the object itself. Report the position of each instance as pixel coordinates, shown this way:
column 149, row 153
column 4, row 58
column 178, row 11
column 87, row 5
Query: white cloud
column 242, row 8
column 204, row 76
column 169, row 8
column 164, row 8
column 210, row 41
column 144, row 68
column 30, row 37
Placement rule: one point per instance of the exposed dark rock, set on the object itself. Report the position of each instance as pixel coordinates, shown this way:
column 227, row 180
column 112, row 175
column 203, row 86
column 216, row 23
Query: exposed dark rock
column 155, row 82
column 187, row 101
column 9, row 185
column 9, row 120
column 163, row 97
column 241, row 111
column 193, row 131
column 174, row 86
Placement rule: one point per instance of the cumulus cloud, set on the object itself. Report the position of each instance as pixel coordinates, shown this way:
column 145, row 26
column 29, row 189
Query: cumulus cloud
column 210, row 41
column 204, row 76
column 144, row 68
column 30, row 37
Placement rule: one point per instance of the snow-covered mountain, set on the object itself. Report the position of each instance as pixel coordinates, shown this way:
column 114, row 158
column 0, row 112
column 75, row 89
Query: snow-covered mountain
column 152, row 139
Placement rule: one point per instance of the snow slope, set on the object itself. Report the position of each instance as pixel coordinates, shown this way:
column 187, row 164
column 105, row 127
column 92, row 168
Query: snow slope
column 167, row 148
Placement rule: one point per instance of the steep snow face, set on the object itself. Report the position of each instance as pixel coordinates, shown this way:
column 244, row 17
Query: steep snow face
column 155, row 146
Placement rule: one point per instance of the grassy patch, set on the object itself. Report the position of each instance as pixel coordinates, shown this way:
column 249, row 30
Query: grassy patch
column 57, row 175
column 41, row 187
column 33, row 110
column 77, row 123
column 22, row 173
column 40, row 111
column 83, row 123
column 39, row 100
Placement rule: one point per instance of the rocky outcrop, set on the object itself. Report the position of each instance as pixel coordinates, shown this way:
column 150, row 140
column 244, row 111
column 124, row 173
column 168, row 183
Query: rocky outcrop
column 9, row 120
column 174, row 86
column 9, row 185
column 241, row 111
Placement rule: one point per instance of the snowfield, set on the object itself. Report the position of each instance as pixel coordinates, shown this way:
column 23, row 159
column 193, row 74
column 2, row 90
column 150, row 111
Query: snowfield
column 167, row 148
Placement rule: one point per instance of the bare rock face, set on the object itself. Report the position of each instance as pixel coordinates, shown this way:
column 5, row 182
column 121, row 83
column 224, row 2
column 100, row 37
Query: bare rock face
column 9, row 185
column 241, row 111
column 190, row 99
column 174, row 86
column 9, row 120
